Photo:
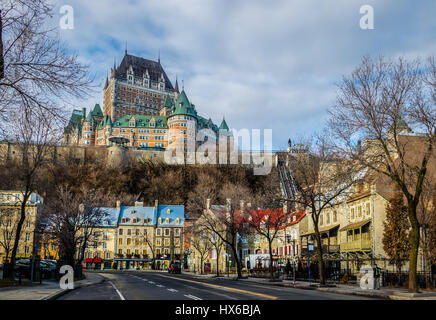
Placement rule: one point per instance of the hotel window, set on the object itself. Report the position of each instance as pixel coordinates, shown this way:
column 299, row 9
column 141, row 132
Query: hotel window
column 368, row 209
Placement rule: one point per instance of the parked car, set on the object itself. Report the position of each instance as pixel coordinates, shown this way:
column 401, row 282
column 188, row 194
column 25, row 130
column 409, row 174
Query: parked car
column 174, row 268
column 22, row 266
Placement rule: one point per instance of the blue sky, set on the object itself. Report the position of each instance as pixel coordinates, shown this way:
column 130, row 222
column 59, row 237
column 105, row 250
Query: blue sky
column 262, row 64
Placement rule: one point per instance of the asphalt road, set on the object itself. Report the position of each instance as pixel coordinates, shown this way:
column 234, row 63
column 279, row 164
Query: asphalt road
column 163, row 286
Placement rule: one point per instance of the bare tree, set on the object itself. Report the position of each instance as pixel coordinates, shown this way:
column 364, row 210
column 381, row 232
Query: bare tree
column 202, row 244
column 35, row 134
column 72, row 218
column 228, row 223
column 323, row 177
column 8, row 224
column 36, row 70
column 381, row 102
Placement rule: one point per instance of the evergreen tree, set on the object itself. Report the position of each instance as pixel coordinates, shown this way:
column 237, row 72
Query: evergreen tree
column 396, row 231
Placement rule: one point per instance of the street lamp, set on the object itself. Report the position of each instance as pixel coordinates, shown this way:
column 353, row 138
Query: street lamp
column 38, row 230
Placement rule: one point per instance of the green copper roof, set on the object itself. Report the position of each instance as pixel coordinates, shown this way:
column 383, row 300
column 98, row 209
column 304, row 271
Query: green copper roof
column 168, row 102
column 105, row 122
column 142, row 121
column 89, row 117
column 224, row 125
column 75, row 120
column 97, row 111
column 183, row 106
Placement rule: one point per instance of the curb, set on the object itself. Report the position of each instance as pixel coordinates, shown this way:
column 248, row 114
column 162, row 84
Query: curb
column 338, row 291
column 62, row 292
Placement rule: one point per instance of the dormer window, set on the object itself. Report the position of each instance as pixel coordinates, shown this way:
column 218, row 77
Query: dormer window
column 167, row 220
column 159, row 220
column 177, row 220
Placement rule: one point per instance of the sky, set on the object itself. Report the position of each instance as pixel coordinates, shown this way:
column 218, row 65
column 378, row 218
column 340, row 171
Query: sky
column 260, row 64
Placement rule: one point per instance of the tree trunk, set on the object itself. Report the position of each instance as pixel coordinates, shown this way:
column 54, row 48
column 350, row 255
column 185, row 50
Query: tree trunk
column 18, row 233
column 270, row 260
column 2, row 64
column 320, row 259
column 414, row 246
column 217, row 263
column 238, row 266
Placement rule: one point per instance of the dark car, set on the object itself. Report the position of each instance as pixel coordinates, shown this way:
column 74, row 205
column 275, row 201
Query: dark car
column 174, row 268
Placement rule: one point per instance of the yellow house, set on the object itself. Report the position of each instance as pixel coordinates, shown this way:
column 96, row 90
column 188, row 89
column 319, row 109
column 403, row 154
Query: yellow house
column 10, row 211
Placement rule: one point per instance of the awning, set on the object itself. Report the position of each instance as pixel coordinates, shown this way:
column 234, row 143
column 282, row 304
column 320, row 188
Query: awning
column 321, row 230
column 355, row 225
column 134, row 260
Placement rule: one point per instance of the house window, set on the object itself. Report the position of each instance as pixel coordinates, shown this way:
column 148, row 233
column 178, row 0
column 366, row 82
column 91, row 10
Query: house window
column 27, row 236
column 321, row 222
column 120, row 251
column 129, row 241
column 104, row 235
column 158, row 231
column 104, row 245
column 166, row 242
column 121, row 232
column 158, row 242
column 335, row 216
column 177, row 232
column 352, row 213
column 167, row 232
column 359, row 210
column 26, row 249
column 328, row 217
column 167, row 220
column 368, row 209
column 159, row 220
column 120, row 242
column 108, row 255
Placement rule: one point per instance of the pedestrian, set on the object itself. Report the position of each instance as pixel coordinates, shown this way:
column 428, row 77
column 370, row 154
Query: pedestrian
column 376, row 277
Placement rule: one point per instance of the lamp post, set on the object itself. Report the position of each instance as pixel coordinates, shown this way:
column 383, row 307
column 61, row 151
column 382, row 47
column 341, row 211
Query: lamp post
column 37, row 230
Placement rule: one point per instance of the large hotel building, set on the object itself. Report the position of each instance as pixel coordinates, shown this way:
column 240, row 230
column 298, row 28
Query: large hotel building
column 141, row 109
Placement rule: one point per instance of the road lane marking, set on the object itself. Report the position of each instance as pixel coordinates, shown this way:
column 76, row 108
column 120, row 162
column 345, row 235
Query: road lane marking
column 192, row 297
column 222, row 287
column 118, row 291
column 172, row 290
column 160, row 286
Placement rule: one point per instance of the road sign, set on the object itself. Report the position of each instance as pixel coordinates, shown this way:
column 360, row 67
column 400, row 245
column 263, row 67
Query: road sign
column 310, row 247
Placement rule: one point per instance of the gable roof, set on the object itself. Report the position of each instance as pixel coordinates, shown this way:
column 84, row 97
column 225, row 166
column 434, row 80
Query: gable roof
column 183, row 106
column 97, row 111
column 139, row 66
column 223, row 125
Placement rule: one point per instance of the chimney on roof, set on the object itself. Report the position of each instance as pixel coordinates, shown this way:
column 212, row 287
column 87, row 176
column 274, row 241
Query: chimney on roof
column 139, row 204
column 118, row 204
column 208, row 204
column 359, row 147
column 228, row 204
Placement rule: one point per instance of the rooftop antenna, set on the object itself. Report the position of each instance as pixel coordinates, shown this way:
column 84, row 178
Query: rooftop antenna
column 158, row 56
column 125, row 50
column 183, row 85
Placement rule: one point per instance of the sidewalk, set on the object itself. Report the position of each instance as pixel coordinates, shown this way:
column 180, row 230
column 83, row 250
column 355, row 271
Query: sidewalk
column 384, row 293
column 48, row 290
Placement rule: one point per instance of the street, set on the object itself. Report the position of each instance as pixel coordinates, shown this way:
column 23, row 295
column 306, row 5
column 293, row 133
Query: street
column 163, row 286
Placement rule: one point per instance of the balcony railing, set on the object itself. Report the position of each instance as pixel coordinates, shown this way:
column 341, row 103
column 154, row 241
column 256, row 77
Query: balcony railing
column 356, row 245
